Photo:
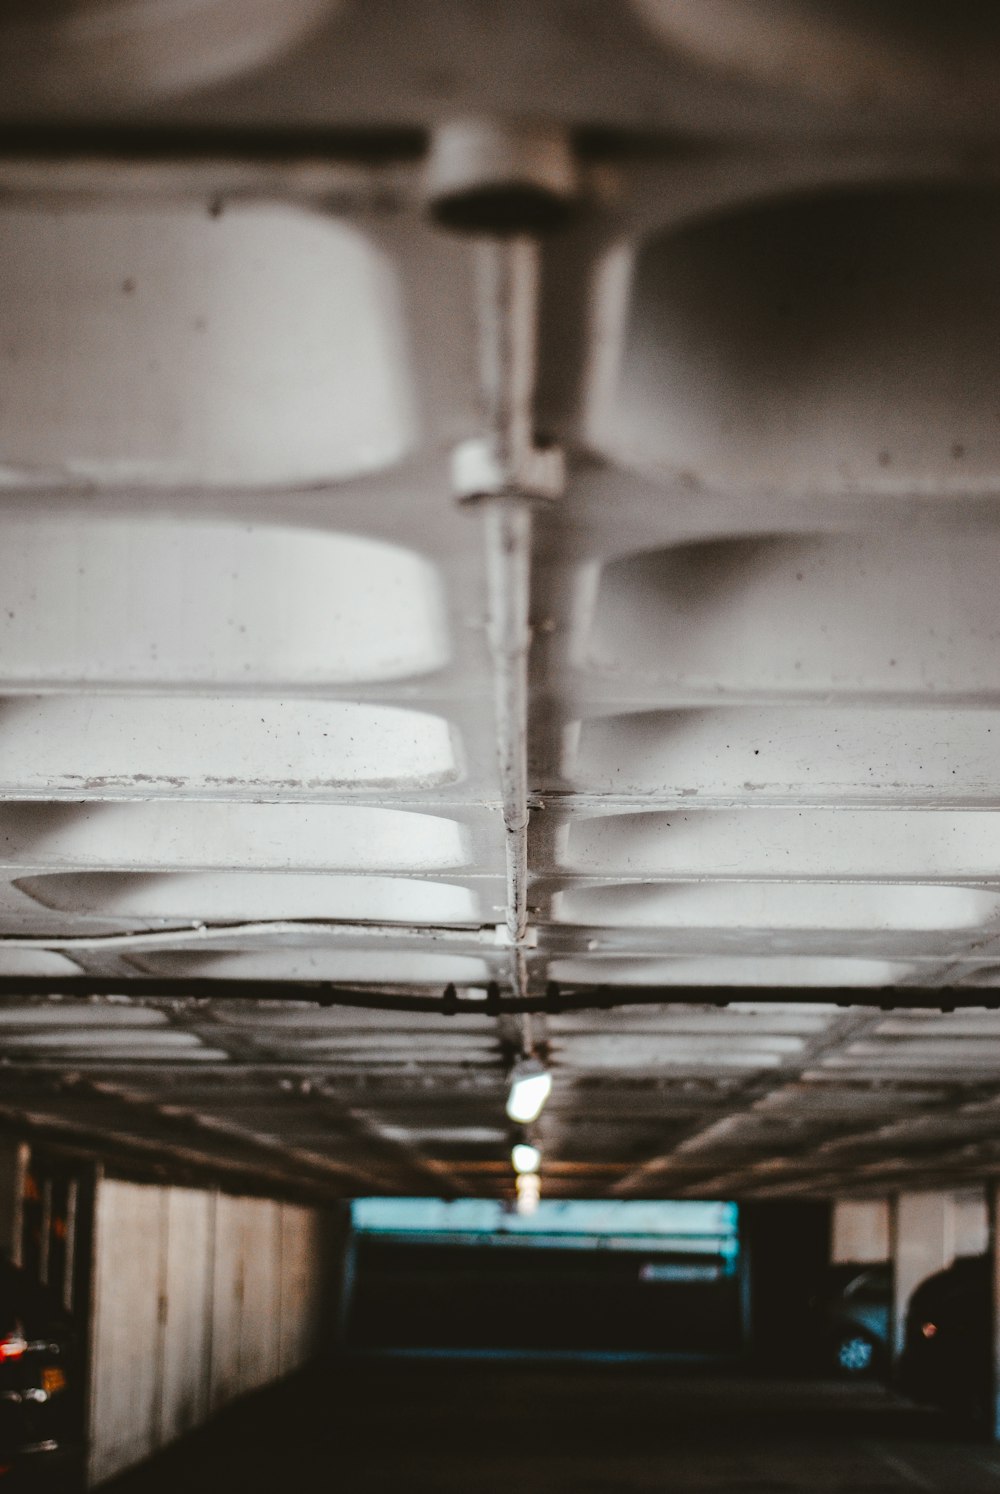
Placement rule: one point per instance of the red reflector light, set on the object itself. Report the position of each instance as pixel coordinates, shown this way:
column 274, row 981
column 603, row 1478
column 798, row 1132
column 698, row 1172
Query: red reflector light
column 929, row 1330
column 12, row 1347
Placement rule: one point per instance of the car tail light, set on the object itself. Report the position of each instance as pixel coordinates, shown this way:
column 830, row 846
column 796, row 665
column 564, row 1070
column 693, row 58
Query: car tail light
column 12, row 1347
column 928, row 1329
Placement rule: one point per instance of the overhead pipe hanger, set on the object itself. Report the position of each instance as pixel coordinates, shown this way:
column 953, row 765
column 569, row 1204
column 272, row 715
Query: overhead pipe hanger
column 501, row 177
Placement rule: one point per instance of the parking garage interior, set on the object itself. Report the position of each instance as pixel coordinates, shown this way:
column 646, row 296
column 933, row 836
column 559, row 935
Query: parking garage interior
column 500, row 745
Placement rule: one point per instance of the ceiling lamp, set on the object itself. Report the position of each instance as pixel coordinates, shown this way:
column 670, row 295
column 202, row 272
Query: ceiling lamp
column 530, row 1087
column 525, row 1158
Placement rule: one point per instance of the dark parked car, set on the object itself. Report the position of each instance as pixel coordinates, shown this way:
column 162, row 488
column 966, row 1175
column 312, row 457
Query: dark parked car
column 855, row 1313
column 41, row 1412
column 946, row 1357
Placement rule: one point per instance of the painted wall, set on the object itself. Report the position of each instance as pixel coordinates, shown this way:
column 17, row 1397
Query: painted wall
column 930, row 1230
column 861, row 1230
column 199, row 1297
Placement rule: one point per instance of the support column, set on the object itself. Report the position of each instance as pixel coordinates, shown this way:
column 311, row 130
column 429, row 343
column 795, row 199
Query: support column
column 993, row 1207
column 972, row 1222
column 15, row 1157
column 860, row 1231
column 923, row 1241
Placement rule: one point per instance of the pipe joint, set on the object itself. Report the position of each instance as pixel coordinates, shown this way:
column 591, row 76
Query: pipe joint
column 501, row 177
column 485, row 467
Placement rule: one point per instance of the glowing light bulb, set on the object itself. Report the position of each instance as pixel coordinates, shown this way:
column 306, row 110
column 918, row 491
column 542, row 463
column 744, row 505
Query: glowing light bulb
column 525, row 1158
column 530, row 1087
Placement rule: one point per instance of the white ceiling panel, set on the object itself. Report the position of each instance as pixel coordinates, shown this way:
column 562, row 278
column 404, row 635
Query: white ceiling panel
column 498, row 554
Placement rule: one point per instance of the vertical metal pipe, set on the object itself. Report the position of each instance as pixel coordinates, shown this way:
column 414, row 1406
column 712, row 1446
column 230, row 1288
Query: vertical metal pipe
column 507, row 286
column 507, row 525
column 508, row 301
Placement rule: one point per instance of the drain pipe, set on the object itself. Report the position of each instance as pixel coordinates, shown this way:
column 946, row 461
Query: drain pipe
column 506, row 183
column 498, row 471
column 507, row 534
column 504, row 473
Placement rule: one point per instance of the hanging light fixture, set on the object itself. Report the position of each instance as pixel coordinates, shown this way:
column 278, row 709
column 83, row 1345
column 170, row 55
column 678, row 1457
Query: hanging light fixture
column 530, row 1087
column 525, row 1158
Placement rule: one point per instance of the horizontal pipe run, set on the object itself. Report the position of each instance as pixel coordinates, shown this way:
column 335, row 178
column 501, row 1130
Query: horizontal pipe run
column 195, row 936
column 119, row 146
column 555, row 999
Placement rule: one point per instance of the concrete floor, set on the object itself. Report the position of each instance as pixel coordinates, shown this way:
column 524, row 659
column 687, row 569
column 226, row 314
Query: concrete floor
column 413, row 1426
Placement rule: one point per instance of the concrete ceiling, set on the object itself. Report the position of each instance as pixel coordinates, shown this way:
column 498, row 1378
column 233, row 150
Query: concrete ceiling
column 273, row 714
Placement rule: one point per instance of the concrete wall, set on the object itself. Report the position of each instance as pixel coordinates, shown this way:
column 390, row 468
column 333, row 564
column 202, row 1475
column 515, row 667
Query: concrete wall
column 198, row 1297
column 972, row 1222
column 861, row 1230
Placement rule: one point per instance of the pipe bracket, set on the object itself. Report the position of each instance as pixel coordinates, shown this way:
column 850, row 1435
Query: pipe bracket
column 481, row 468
